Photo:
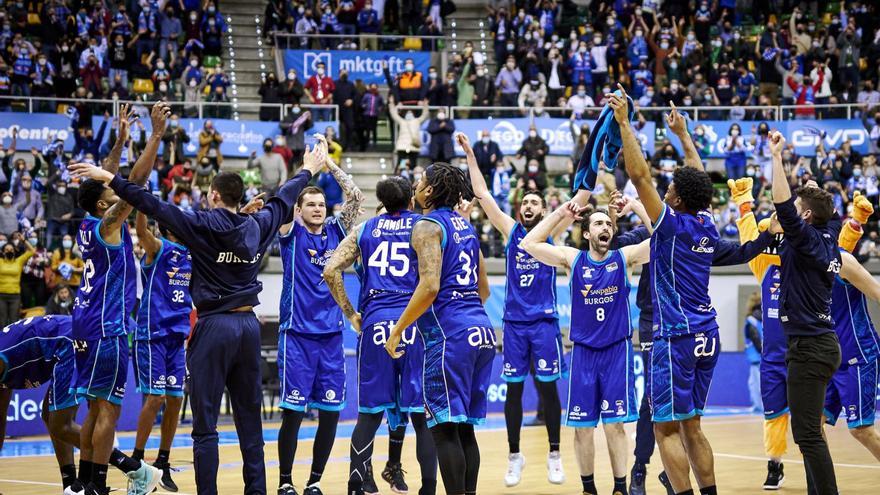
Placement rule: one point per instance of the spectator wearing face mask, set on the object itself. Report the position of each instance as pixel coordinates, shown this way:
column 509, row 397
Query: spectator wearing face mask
column 579, row 102
column 487, row 153
column 174, row 138
column 209, row 144
column 59, row 210
column 213, row 27
column 508, row 80
column 11, row 266
column 531, row 94
column 8, row 215
column 409, row 134
column 170, row 30
column 320, row 89
column 292, row 89
column 34, row 290
column 294, row 127
column 804, row 95
column 441, row 129
column 273, row 170
column 28, row 202
column 534, row 148
column 372, row 106
column 344, row 95
column 580, row 66
column 735, row 153
column 60, row 301
column 368, row 27
column 408, row 88
column 484, row 89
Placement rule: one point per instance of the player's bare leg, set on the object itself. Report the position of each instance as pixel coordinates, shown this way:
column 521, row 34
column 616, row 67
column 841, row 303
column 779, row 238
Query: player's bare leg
column 868, row 436
column 673, row 455
column 585, row 452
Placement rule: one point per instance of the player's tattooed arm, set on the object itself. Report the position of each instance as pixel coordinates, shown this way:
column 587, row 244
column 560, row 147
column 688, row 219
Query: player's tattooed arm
column 535, row 242
column 425, row 241
column 502, row 222
column 853, row 272
column 636, row 166
column 343, row 257
column 354, row 198
column 147, row 240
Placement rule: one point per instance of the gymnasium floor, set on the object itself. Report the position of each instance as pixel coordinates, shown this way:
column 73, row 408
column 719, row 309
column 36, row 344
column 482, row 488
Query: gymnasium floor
column 27, row 466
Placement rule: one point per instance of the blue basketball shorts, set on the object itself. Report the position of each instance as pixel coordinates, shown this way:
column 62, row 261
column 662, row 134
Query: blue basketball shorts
column 386, row 383
column 602, row 386
column 160, row 365
column 853, row 390
column 311, row 369
column 458, row 370
column 102, row 368
column 681, row 372
column 22, row 371
column 774, row 392
column 538, row 342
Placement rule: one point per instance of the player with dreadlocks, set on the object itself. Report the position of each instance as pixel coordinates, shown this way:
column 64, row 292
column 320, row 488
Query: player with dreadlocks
column 459, row 340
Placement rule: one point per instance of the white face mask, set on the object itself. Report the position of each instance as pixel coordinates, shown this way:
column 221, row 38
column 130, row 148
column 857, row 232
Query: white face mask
column 320, row 71
column 664, row 45
column 441, row 116
column 409, row 67
column 67, row 244
column 62, row 190
column 597, row 41
column 7, row 200
column 533, row 134
column 734, row 132
column 533, row 169
column 409, row 116
column 485, row 139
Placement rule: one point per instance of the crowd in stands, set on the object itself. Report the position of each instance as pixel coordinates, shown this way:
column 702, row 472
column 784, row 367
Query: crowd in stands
column 91, row 50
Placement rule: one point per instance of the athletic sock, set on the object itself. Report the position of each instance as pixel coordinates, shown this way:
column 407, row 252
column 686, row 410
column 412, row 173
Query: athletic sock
column 99, row 476
column 163, row 457
column 285, row 479
column 68, row 474
column 395, row 444
column 125, row 463
column 589, row 485
column 620, row 485
column 429, row 487
column 138, row 454
column 709, row 490
column 85, row 471
column 355, row 487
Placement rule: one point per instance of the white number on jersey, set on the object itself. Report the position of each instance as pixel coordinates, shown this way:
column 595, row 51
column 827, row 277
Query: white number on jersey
column 464, row 278
column 600, row 314
column 177, row 296
column 383, row 257
column 526, row 280
column 88, row 273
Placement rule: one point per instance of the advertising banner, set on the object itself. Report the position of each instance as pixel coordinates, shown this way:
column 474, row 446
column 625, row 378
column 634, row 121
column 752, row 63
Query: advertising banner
column 35, row 130
column 360, row 64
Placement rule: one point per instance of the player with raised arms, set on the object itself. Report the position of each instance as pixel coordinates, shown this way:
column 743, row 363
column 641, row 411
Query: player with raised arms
column 459, row 339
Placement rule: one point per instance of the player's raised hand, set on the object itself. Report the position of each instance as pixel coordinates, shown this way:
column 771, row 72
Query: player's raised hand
column 741, row 190
column 465, row 207
column 254, row 205
column 775, row 226
column 159, row 115
column 392, row 343
column 573, row 210
column 777, row 143
column 126, row 112
column 464, row 142
column 88, row 171
column 619, row 104
column 676, row 121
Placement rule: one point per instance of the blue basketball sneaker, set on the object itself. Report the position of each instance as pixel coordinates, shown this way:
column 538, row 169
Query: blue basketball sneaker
column 143, row 480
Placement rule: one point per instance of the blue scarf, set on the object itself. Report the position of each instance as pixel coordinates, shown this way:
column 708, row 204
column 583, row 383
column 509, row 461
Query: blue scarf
column 604, row 145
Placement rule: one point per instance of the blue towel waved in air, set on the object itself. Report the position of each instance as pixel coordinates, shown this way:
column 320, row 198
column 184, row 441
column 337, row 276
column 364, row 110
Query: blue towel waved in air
column 604, row 145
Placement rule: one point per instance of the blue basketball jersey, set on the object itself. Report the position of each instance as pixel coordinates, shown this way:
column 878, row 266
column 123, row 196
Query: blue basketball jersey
column 458, row 307
column 108, row 292
column 165, row 303
column 31, row 347
column 530, row 290
column 312, row 309
column 855, row 331
column 389, row 268
column 682, row 248
column 775, row 343
column 600, row 300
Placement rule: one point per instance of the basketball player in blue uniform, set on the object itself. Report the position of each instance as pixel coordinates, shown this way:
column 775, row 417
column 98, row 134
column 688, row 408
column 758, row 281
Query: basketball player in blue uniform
column 853, row 388
column 162, row 328
column 223, row 353
column 311, row 363
column 531, row 323
column 39, row 350
column 602, row 385
column 684, row 245
column 388, row 274
column 459, row 339
column 105, row 300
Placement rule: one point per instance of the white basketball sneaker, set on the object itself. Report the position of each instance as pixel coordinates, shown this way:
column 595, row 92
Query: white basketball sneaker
column 515, row 465
column 555, row 474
